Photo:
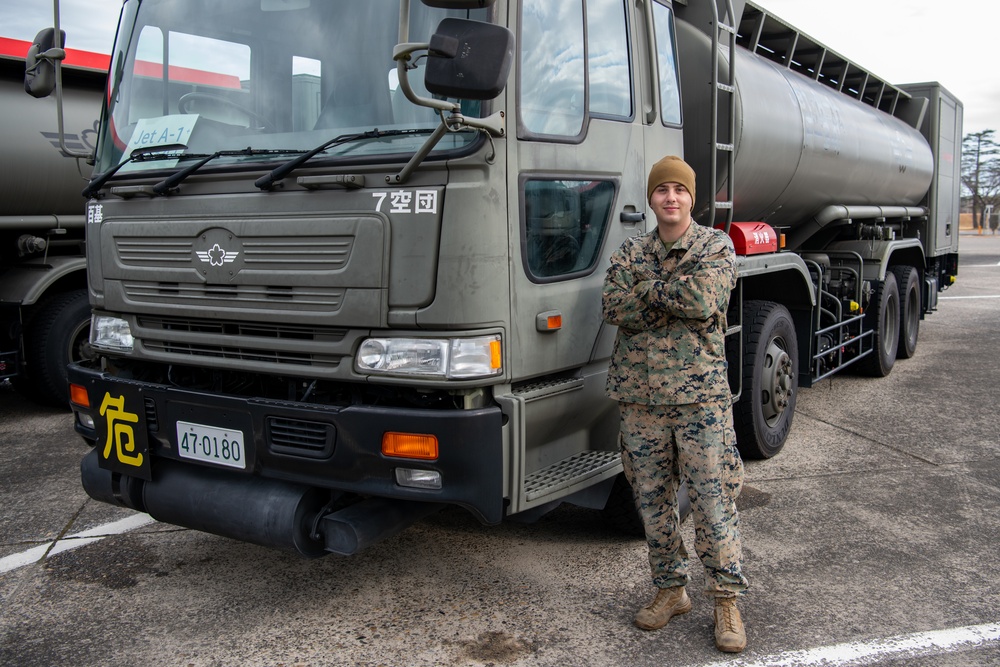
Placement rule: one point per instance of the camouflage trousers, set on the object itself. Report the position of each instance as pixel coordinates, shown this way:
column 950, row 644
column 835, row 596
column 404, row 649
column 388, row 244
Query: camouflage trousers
column 663, row 445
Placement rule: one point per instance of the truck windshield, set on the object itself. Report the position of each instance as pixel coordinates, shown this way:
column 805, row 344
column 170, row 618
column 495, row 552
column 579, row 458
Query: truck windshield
column 271, row 75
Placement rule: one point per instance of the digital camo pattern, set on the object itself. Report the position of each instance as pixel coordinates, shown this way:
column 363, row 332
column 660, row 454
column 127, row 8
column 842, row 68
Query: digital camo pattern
column 668, row 372
column 662, row 445
column 670, row 310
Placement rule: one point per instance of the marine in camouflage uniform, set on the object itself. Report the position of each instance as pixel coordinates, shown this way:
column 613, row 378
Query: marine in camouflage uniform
column 668, row 373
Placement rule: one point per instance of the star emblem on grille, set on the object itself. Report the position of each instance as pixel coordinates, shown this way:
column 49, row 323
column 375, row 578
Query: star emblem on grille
column 217, row 255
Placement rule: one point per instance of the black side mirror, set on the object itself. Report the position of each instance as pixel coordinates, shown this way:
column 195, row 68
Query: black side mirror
column 469, row 60
column 39, row 65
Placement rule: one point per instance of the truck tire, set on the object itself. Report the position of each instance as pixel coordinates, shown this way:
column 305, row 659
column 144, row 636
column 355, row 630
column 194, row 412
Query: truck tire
column 623, row 515
column 908, row 282
column 54, row 336
column 763, row 415
column 882, row 317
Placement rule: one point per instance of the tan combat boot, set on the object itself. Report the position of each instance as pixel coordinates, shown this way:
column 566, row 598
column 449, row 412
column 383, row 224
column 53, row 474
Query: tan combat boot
column 669, row 602
column 730, row 637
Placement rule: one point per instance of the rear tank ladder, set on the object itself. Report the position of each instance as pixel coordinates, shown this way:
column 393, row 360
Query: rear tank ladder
column 724, row 147
column 724, row 32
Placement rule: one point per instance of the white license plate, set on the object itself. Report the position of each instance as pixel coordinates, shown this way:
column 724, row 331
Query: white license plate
column 210, row 444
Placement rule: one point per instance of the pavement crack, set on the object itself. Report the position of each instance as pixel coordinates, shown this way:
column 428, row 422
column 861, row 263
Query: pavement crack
column 870, row 439
column 65, row 529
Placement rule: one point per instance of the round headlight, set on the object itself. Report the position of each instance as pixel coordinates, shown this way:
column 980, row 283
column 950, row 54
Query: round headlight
column 371, row 354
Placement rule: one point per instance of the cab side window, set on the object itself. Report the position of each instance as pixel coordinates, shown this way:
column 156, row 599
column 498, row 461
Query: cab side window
column 552, row 68
column 670, row 89
column 573, row 62
column 608, row 64
column 565, row 223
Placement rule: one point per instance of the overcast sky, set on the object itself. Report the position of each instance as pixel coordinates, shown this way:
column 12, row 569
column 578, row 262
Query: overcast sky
column 902, row 41
column 89, row 24
column 910, row 41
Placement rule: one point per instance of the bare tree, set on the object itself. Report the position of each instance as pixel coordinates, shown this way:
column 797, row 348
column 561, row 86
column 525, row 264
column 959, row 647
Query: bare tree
column 981, row 173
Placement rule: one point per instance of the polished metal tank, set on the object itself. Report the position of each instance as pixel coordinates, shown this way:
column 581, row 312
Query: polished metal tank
column 800, row 145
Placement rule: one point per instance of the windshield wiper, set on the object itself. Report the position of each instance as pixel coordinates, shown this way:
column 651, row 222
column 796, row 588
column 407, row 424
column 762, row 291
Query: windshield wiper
column 267, row 181
column 175, row 179
column 164, row 152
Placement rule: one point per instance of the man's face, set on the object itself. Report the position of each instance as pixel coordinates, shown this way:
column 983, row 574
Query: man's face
column 671, row 203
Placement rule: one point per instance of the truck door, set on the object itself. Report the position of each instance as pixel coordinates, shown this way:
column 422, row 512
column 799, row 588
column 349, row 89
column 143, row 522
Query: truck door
column 579, row 176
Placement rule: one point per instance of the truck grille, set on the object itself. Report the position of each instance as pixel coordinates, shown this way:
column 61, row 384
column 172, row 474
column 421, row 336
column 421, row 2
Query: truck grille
column 312, row 269
column 272, row 253
column 256, row 342
column 314, row 440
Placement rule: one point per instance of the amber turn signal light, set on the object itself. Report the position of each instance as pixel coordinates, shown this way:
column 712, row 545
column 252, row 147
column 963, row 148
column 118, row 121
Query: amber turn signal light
column 410, row 445
column 78, row 396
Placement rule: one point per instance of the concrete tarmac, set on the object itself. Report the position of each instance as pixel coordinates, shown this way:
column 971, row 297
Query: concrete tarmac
column 870, row 539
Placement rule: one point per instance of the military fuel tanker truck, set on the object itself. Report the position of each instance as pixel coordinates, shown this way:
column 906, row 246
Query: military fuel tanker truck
column 44, row 307
column 346, row 257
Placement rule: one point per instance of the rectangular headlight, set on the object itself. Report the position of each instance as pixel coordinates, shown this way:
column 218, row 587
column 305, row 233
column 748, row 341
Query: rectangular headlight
column 454, row 358
column 111, row 333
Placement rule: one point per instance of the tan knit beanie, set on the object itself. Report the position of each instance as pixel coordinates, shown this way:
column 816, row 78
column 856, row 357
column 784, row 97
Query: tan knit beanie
column 670, row 169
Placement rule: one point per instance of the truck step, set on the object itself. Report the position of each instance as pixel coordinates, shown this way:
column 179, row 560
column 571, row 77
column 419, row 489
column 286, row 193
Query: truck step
column 568, row 472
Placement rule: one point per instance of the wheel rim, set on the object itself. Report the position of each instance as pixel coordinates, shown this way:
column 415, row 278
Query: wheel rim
column 78, row 341
column 890, row 325
column 912, row 312
column 777, row 381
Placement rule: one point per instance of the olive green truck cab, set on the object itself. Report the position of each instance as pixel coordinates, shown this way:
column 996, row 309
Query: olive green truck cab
column 345, row 258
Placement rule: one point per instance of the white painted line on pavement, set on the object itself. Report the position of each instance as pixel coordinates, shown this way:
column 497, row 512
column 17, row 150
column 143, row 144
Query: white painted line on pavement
column 920, row 644
column 983, row 296
column 14, row 561
column 73, row 541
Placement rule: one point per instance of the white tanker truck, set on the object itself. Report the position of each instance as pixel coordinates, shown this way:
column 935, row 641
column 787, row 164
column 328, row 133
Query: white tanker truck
column 346, row 258
column 44, row 308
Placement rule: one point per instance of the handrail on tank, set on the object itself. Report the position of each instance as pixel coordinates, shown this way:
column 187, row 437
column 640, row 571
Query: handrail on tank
column 730, row 89
column 847, row 332
column 840, row 350
column 771, row 37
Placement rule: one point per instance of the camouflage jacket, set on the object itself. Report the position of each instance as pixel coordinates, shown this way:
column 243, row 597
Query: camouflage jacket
column 670, row 310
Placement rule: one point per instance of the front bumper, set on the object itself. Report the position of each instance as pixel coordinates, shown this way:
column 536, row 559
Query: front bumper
column 327, row 447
